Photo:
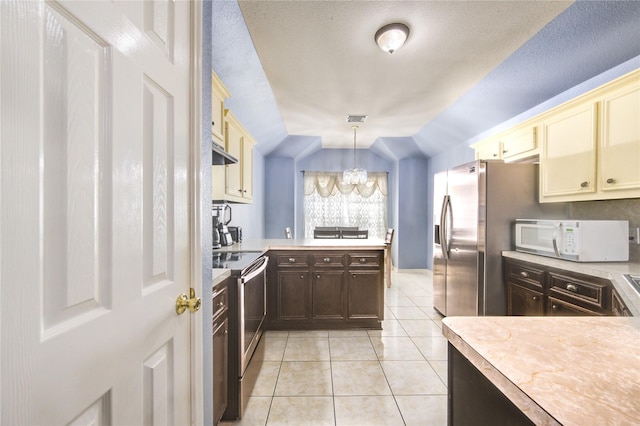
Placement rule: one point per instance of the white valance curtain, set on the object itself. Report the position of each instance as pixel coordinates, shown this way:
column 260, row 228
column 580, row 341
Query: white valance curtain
column 328, row 201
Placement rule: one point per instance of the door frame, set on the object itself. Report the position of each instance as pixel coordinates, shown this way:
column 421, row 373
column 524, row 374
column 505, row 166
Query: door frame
column 195, row 205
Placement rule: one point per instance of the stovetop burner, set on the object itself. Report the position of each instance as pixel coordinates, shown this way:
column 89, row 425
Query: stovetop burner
column 236, row 261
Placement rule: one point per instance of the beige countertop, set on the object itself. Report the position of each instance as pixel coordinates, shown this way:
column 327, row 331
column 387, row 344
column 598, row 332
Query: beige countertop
column 306, row 244
column 557, row 370
column 612, row 271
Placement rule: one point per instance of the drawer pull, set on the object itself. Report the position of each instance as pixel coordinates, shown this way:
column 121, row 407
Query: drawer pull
column 292, row 260
column 354, row 276
column 584, row 184
column 317, row 276
column 611, row 180
column 524, row 274
column 327, row 259
column 302, row 277
column 555, row 307
column 220, row 304
column 535, row 298
column 572, row 287
column 363, row 260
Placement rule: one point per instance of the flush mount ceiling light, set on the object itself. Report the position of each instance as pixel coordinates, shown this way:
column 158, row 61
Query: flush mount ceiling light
column 354, row 176
column 391, row 37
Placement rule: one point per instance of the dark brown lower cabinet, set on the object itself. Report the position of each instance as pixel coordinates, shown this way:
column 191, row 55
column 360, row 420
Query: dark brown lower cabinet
column 329, row 295
column 363, row 289
column 293, row 294
column 534, row 289
column 220, row 350
column 524, row 301
column 474, row 400
column 328, row 289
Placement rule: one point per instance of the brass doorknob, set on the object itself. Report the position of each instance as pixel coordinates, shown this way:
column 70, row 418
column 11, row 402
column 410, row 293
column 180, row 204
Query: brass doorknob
column 184, row 302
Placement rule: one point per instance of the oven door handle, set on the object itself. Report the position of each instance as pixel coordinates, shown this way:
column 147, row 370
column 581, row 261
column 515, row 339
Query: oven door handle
column 256, row 269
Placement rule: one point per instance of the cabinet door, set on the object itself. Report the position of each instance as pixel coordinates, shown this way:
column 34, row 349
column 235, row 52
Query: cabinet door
column 568, row 160
column 488, row 150
column 247, row 168
column 561, row 308
column 519, row 142
column 234, row 147
column 365, row 294
column 328, row 294
column 619, row 156
column 220, row 366
column 219, row 94
column 294, row 295
column 523, row 301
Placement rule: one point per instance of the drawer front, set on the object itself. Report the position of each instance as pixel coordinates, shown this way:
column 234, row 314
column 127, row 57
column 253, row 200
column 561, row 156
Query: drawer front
column 292, row 260
column 590, row 294
column 332, row 259
column 220, row 299
column 527, row 274
column 371, row 260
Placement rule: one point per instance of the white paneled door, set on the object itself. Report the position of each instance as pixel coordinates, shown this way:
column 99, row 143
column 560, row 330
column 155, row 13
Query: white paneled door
column 94, row 196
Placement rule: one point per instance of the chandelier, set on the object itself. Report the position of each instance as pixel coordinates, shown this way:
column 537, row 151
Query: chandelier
column 354, row 176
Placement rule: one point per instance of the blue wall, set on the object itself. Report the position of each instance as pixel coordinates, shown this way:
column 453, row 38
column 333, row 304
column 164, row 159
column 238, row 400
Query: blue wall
column 411, row 237
column 280, row 192
column 251, row 216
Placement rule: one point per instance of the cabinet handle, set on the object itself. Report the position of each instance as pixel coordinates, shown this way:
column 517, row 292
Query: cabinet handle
column 555, row 307
column 611, row 180
column 524, row 274
column 240, row 191
column 584, row 184
column 327, row 259
column 495, row 154
column 572, row 287
column 244, row 190
column 353, row 276
column 535, row 298
column 220, row 304
column 318, row 277
column 292, row 260
column 302, row 277
column 504, row 151
column 363, row 260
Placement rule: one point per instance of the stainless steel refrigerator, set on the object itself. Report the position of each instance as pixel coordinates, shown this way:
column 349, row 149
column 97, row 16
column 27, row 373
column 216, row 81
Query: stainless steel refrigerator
column 475, row 205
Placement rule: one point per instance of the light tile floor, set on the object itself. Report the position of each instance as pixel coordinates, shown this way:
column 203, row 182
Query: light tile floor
column 393, row 376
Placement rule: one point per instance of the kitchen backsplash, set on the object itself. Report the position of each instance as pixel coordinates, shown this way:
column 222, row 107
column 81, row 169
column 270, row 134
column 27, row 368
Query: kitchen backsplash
column 627, row 209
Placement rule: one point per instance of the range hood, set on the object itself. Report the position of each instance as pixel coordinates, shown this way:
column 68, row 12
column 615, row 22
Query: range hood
column 219, row 156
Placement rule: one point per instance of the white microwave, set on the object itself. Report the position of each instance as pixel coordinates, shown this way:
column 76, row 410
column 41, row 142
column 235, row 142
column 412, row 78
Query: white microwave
column 576, row 240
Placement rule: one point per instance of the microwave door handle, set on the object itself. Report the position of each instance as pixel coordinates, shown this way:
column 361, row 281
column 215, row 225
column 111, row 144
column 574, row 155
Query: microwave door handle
column 555, row 240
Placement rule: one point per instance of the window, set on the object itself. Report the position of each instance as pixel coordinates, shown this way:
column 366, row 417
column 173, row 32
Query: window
column 328, row 201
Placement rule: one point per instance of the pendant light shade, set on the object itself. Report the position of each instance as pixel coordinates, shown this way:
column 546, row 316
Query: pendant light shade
column 354, row 176
column 391, row 37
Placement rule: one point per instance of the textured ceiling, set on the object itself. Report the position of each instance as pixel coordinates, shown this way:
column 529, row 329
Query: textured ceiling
column 322, row 62
column 297, row 68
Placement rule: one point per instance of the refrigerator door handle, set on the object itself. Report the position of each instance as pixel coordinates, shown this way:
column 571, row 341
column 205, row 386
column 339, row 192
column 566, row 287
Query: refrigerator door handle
column 444, row 232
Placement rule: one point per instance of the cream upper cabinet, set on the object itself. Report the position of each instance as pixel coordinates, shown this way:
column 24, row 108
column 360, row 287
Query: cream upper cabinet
column 512, row 145
column 219, row 94
column 520, row 142
column 619, row 155
column 488, row 149
column 234, row 182
column 591, row 146
column 568, row 159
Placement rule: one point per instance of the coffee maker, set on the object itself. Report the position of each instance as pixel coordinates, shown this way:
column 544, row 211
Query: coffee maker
column 221, row 218
column 216, row 233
